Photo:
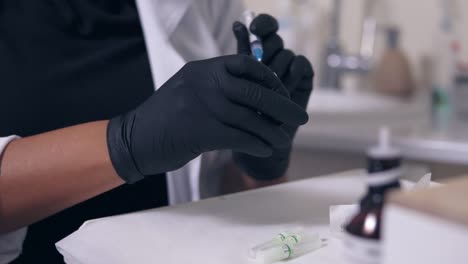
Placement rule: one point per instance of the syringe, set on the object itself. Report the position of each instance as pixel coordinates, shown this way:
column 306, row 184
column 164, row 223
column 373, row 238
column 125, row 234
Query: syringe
column 291, row 249
column 277, row 240
column 255, row 44
column 291, row 238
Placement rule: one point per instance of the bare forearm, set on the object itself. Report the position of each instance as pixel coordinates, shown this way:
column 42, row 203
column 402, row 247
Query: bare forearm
column 44, row 174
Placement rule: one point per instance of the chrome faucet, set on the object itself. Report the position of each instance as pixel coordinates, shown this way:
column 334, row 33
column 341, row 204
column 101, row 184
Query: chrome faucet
column 336, row 63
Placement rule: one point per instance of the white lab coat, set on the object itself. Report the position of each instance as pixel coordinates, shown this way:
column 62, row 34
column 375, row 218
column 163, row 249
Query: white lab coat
column 176, row 31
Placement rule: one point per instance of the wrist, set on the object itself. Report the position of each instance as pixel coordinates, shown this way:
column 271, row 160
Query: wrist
column 118, row 144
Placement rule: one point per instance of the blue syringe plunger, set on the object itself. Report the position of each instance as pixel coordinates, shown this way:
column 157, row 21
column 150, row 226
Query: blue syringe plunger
column 257, row 50
column 255, row 43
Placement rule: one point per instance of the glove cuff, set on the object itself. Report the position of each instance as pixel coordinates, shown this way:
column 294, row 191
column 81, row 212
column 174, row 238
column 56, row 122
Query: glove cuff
column 118, row 144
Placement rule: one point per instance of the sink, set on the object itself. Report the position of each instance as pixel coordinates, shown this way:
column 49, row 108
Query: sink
column 335, row 102
column 343, row 123
column 357, row 109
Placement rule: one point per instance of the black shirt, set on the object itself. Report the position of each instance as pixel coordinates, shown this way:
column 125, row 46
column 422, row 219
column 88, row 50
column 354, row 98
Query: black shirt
column 66, row 62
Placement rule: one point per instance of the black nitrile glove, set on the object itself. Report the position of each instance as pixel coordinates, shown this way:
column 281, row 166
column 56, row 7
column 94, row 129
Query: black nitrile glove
column 208, row 105
column 297, row 75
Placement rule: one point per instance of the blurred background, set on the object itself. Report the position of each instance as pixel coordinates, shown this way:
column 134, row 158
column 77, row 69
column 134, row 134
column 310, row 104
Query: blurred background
column 395, row 63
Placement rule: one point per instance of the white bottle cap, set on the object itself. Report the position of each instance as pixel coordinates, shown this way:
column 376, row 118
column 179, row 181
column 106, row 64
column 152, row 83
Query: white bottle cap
column 384, row 150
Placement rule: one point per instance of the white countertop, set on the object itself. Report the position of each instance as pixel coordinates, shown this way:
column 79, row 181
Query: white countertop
column 218, row 230
column 350, row 123
column 415, row 142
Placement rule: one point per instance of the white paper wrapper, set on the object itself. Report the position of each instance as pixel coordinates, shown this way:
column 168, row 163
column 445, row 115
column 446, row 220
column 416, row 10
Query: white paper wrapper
column 340, row 215
column 424, row 182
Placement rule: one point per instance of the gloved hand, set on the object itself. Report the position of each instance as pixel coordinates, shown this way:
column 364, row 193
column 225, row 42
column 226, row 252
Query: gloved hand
column 208, row 105
column 297, row 75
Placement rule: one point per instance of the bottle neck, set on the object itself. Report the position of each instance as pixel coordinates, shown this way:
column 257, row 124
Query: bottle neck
column 377, row 164
column 383, row 172
column 382, row 189
column 383, row 175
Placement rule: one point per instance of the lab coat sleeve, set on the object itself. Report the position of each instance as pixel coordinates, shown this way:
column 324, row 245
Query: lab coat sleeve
column 225, row 13
column 11, row 243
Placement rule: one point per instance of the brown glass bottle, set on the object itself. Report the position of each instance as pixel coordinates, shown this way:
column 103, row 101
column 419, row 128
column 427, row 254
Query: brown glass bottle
column 367, row 223
column 363, row 232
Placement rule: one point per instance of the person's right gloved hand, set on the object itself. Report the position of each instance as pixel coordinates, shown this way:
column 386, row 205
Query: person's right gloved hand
column 208, row 105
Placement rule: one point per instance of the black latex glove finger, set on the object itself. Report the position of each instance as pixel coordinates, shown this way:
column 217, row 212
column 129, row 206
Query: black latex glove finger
column 299, row 81
column 242, row 36
column 279, row 108
column 272, row 45
column 251, row 122
column 250, row 69
column 302, row 94
column 264, row 25
column 300, row 72
column 281, row 63
column 241, row 141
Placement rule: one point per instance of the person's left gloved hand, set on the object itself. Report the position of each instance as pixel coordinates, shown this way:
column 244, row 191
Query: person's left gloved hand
column 297, row 75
